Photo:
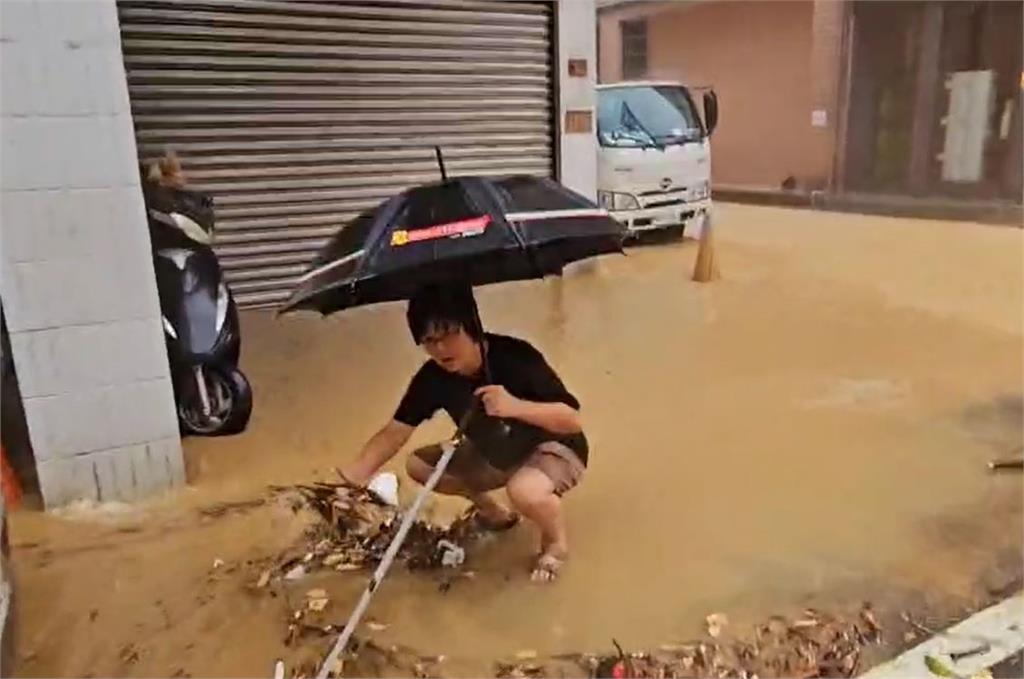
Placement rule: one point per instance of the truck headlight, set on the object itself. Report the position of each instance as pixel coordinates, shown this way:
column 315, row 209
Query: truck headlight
column 699, row 192
column 613, row 202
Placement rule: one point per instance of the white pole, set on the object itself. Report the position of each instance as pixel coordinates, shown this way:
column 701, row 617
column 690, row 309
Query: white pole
column 448, row 449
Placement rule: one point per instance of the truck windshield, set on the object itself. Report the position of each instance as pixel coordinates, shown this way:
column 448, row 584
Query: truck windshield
column 646, row 116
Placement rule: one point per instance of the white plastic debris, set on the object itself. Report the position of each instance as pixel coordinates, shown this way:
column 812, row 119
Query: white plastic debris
column 453, row 556
column 295, row 573
column 279, row 669
column 385, row 486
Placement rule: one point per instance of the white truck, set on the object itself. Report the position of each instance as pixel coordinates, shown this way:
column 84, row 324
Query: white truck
column 654, row 155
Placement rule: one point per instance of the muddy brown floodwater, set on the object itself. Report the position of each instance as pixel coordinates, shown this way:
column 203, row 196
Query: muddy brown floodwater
column 812, row 428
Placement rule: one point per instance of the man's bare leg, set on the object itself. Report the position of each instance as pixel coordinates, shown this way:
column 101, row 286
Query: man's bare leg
column 489, row 508
column 533, row 494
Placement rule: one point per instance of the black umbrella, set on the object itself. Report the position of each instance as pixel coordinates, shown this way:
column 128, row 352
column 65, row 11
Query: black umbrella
column 475, row 230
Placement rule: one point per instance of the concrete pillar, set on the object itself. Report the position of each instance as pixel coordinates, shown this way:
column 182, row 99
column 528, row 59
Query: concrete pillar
column 77, row 279
column 828, row 49
column 577, row 41
column 926, row 97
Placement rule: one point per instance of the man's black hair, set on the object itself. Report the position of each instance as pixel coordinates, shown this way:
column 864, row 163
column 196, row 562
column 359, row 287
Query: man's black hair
column 447, row 307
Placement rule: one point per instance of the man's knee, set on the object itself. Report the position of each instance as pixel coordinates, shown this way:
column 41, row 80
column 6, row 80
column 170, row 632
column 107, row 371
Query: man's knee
column 529, row 487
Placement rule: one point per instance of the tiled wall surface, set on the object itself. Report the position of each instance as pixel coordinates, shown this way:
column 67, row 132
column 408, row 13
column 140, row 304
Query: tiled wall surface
column 76, row 276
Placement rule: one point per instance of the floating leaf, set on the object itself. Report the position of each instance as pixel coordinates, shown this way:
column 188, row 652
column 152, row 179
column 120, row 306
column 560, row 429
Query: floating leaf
column 332, row 560
column 805, row 622
column 347, row 567
column 715, row 623
column 937, row 668
column 869, row 617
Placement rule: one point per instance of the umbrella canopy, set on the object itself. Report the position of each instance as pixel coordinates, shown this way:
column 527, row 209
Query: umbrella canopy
column 474, row 230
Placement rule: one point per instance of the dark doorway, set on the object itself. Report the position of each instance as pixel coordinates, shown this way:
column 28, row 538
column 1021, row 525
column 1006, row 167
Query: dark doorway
column 13, row 427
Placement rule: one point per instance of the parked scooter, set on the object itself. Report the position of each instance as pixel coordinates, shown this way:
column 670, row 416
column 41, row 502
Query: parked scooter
column 200, row 318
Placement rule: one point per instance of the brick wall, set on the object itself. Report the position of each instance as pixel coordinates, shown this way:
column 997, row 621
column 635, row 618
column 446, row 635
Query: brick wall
column 77, row 277
column 772, row 64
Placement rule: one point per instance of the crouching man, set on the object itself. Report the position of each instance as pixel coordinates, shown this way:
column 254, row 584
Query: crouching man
column 529, row 440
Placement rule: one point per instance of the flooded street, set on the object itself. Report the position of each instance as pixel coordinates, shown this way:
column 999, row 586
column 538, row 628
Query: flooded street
column 812, row 428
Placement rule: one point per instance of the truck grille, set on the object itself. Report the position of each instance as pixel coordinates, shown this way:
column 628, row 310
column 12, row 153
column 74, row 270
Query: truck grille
column 662, row 198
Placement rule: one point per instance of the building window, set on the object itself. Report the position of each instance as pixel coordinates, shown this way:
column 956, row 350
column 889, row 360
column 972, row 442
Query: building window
column 634, row 48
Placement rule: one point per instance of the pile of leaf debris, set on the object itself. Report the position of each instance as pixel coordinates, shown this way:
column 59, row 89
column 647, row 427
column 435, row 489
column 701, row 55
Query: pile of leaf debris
column 356, row 528
column 815, row 645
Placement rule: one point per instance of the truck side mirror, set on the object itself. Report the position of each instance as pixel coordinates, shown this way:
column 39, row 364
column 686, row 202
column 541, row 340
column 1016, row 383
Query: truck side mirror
column 710, row 111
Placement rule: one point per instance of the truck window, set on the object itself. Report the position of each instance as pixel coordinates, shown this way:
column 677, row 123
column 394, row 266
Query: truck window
column 658, row 116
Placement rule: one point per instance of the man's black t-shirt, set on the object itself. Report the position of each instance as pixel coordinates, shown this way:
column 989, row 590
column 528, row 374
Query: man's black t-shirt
column 522, row 370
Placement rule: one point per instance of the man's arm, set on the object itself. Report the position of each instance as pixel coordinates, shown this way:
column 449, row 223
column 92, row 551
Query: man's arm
column 381, row 447
column 555, row 417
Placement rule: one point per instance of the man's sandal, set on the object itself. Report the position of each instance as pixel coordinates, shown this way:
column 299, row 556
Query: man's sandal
column 547, row 568
column 496, row 527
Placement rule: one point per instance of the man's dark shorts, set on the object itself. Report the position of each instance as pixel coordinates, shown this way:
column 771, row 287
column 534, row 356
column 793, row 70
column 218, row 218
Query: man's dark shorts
column 555, row 460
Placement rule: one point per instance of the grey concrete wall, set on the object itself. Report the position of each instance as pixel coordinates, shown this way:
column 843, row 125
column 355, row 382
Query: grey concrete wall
column 77, row 278
column 577, row 39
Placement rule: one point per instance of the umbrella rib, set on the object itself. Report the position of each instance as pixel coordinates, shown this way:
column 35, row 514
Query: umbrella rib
column 331, row 265
column 377, row 235
column 555, row 214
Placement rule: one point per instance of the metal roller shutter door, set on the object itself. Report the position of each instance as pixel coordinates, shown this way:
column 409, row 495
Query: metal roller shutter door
column 296, row 116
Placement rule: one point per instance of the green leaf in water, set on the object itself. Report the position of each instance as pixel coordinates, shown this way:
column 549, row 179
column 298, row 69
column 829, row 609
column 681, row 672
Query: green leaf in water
column 937, row 668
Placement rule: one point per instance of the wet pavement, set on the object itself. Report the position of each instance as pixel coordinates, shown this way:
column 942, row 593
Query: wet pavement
column 811, row 429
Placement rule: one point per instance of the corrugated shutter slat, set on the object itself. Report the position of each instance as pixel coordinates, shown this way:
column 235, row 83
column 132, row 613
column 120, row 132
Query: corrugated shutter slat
column 297, row 116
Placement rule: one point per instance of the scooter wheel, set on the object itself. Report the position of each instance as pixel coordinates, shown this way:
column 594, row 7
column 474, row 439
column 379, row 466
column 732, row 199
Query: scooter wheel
column 231, row 407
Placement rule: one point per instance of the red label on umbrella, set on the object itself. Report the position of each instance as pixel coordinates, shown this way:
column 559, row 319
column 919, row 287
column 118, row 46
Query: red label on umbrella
column 460, row 229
